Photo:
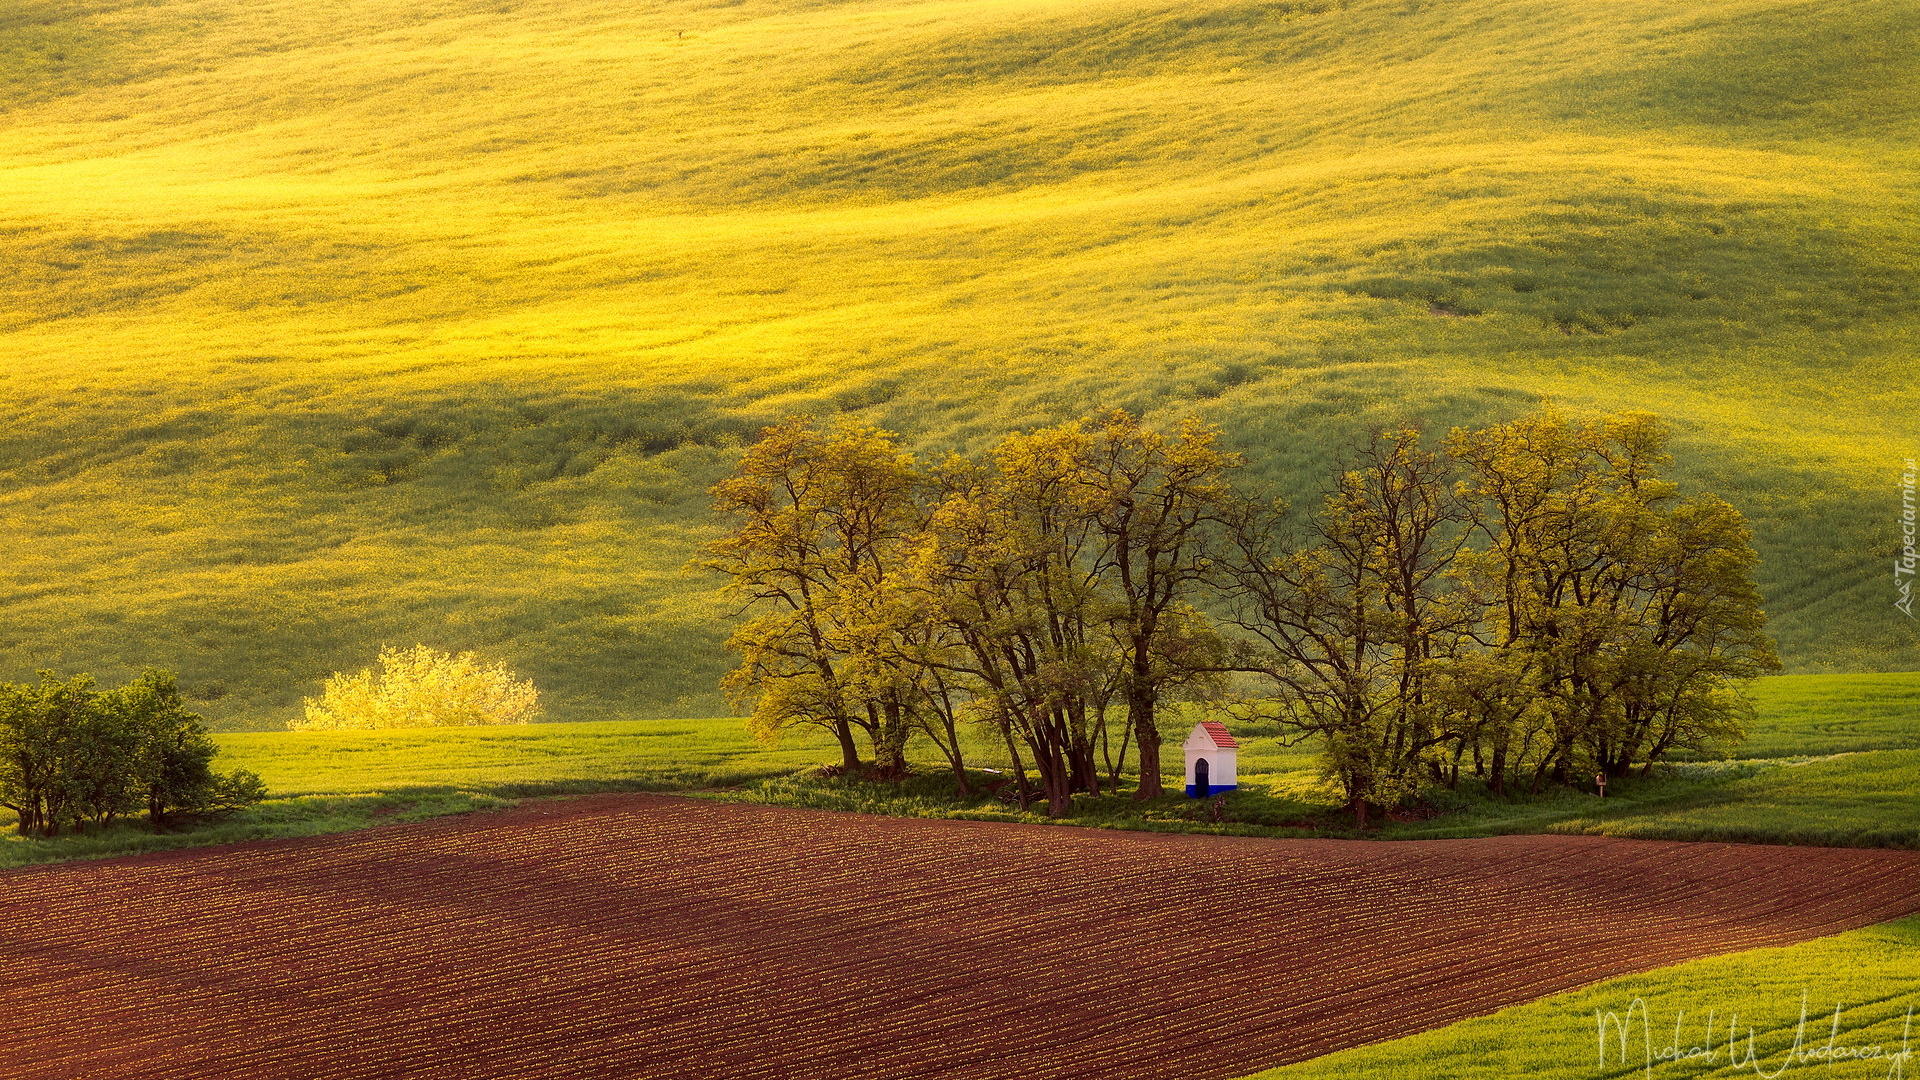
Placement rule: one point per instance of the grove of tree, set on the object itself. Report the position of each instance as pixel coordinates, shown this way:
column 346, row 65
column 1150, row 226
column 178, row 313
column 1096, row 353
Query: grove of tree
column 1525, row 603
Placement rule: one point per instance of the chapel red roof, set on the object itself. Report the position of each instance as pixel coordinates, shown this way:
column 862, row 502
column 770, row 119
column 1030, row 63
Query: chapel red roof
column 1222, row 738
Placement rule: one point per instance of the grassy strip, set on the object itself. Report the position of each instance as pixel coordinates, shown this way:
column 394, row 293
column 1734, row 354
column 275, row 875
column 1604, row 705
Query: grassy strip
column 1831, row 761
column 1871, row 976
column 305, row 815
column 1848, row 800
column 1861, row 796
column 521, row 760
column 1854, row 800
column 391, row 776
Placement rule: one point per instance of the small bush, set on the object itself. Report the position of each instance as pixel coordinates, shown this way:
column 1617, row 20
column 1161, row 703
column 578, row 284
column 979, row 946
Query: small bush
column 422, row 687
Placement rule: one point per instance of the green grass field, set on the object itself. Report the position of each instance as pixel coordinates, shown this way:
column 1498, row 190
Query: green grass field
column 1830, row 762
column 337, row 781
column 519, row 760
column 328, row 326
column 1872, row 976
column 1833, row 759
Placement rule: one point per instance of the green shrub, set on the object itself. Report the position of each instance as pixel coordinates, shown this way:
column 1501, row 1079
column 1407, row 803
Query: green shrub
column 71, row 754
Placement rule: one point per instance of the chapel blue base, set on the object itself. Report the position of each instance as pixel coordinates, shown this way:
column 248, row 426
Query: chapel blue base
column 1193, row 790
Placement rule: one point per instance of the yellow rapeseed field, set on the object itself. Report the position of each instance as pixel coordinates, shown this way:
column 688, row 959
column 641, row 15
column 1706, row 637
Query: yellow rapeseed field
column 328, row 326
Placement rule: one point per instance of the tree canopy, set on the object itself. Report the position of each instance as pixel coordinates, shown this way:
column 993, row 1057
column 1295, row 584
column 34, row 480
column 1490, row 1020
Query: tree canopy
column 1533, row 598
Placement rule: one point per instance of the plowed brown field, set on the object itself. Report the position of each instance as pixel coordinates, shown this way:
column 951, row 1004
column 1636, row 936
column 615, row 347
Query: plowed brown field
column 649, row 936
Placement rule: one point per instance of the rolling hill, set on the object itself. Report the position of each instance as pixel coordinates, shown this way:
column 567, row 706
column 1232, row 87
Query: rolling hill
column 332, row 325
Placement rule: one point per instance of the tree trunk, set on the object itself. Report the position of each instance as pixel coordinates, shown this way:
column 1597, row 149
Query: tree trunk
column 1540, row 773
column 1055, row 775
column 1140, row 717
column 1622, row 763
column 951, row 748
column 1084, row 770
column 1114, row 766
column 849, row 751
column 1019, row 767
column 890, row 743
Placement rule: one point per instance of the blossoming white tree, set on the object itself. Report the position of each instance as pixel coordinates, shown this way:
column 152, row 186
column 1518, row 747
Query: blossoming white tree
column 422, row 687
